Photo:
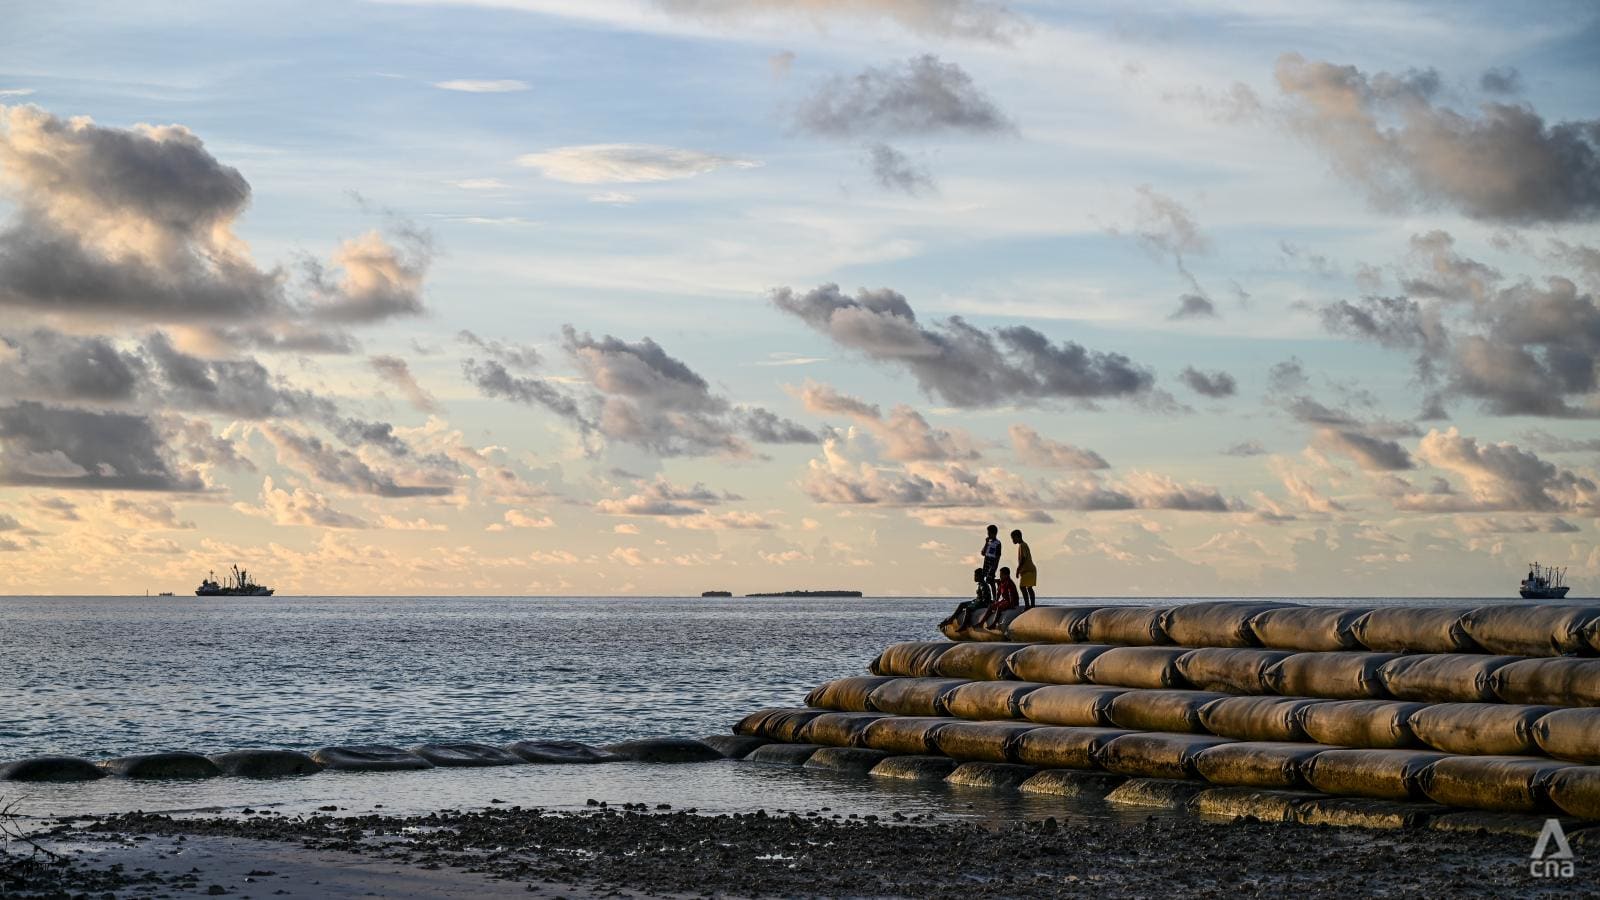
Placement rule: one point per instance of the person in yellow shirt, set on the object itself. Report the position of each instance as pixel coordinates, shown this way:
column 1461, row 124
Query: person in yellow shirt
column 1027, row 573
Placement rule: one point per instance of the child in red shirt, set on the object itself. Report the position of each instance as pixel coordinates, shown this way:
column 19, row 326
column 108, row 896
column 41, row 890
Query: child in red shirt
column 1006, row 598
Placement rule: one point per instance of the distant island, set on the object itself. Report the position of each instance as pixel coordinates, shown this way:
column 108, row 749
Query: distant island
column 808, row 594
column 716, row 593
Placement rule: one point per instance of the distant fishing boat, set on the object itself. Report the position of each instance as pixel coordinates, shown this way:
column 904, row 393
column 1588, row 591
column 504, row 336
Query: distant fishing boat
column 1544, row 583
column 164, row 594
column 237, row 584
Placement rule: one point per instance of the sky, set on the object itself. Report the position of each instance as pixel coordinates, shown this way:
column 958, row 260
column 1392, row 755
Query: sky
column 549, row 297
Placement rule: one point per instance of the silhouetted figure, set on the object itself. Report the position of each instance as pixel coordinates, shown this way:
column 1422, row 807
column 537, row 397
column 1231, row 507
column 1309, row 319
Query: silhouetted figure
column 1027, row 573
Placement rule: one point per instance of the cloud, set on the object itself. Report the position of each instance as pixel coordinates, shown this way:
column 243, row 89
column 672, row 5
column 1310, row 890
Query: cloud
column 516, row 518
column 1499, row 478
column 397, row 373
column 1546, row 442
column 146, row 515
column 973, row 19
column 1194, row 306
column 767, row 427
column 626, row 163
column 1499, row 80
column 959, row 363
column 375, row 279
column 614, row 198
column 921, row 96
column 476, row 86
column 904, row 433
column 57, row 447
column 1519, row 525
column 1210, row 384
column 242, row 388
column 894, row 171
column 1370, row 453
column 392, row 523
column 1245, row 448
column 339, row 467
column 1035, row 450
column 660, row 498
column 1385, row 133
column 299, row 507
column 55, row 367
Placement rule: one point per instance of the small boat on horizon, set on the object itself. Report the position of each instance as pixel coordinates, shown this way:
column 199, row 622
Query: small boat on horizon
column 1544, row 583
column 238, row 584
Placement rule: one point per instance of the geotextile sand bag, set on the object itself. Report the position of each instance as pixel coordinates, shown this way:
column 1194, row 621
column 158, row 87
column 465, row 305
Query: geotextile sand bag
column 1481, row 729
column 855, row 760
column 1155, row 710
column 1138, row 667
column 1556, row 682
column 1070, row 748
column 1308, row 628
column 1414, row 629
column 1070, row 704
column 973, row 632
column 979, row 662
column 1443, row 677
column 1156, row 793
column 1157, row 754
column 914, row 658
column 783, row 754
column 1479, row 821
column 1380, row 774
column 1215, row 624
column 1532, row 629
column 1570, row 734
column 1350, row 812
column 904, row 734
column 1265, row 764
column 846, row 694
column 1576, row 790
column 989, row 699
column 1248, row 803
column 1501, row 783
column 1051, row 625
column 992, row 775
column 839, row 729
column 777, row 723
column 1128, row 626
column 913, row 696
column 1071, row 783
column 915, row 768
column 1338, row 676
column 981, row 741
column 1368, row 724
column 1231, row 671
column 1055, row 663
column 1258, row 718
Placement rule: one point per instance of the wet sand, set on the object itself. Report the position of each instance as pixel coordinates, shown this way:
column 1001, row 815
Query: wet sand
column 634, row 852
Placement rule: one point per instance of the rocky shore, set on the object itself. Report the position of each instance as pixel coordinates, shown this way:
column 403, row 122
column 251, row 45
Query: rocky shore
column 635, row 850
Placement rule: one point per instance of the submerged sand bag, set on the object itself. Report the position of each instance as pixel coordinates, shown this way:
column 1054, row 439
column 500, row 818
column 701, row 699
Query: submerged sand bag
column 1055, row 663
column 915, row 768
column 1051, row 625
column 1215, row 624
column 1159, row 793
column 1414, row 629
column 1267, row 764
column 1161, row 710
column 1254, row 804
column 1571, row 734
column 1258, row 718
column 979, row 662
column 1338, row 676
column 914, row 658
column 783, row 754
column 855, row 760
column 1371, row 724
column 914, row 696
column 1481, row 729
column 1532, row 630
column 1443, row 677
column 1070, row 748
column 1381, row 774
column 904, row 734
column 1157, row 755
column 992, row 775
column 1350, row 812
column 1131, row 626
column 847, row 694
column 1231, row 671
column 778, row 724
column 1557, row 682
column 1576, row 790
column 1308, row 628
column 1503, row 783
column 1070, row 783
column 1070, row 704
column 981, row 741
column 839, row 729
column 989, row 699
column 1138, row 667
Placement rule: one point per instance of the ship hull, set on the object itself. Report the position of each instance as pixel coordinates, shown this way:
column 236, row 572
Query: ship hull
column 226, row 592
column 1559, row 593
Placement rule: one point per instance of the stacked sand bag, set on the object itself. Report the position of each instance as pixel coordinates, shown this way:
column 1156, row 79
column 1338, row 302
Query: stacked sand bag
column 1377, row 715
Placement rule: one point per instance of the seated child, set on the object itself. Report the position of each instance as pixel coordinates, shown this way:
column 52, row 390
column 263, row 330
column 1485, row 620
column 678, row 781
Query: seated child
column 962, row 617
column 1006, row 589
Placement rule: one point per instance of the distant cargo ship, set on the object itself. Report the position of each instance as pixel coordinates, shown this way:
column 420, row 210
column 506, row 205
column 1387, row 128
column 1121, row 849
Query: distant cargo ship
column 238, row 584
column 808, row 594
column 1544, row 583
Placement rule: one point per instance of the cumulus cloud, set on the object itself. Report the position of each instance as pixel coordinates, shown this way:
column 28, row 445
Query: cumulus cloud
column 1194, row 306
column 974, row 19
column 1498, row 478
column 660, row 498
column 396, row 372
column 626, row 163
column 1210, row 384
column 298, row 507
column 904, row 433
column 960, row 363
column 339, row 467
column 895, row 171
column 1370, row 453
column 1387, row 134
column 1036, row 450
column 58, row 447
column 921, row 96
column 50, row 366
